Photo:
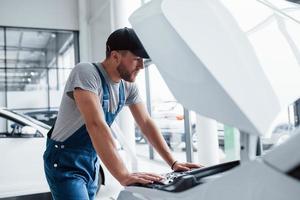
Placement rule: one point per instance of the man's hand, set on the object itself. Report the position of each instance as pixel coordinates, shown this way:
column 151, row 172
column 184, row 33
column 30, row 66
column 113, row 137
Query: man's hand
column 178, row 166
column 140, row 177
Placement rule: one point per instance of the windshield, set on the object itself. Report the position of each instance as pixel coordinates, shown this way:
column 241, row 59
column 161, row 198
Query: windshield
column 32, row 120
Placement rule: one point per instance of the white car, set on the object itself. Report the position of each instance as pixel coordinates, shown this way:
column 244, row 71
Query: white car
column 22, row 143
column 168, row 116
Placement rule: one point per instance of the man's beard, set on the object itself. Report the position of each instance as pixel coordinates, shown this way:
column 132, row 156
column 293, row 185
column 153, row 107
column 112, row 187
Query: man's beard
column 125, row 74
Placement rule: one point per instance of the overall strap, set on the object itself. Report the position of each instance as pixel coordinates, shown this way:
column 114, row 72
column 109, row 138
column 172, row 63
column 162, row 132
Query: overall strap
column 106, row 92
column 105, row 102
column 121, row 96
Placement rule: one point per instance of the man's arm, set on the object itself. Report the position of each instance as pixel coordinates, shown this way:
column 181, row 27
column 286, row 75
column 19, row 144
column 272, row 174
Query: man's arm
column 89, row 106
column 152, row 133
column 150, row 130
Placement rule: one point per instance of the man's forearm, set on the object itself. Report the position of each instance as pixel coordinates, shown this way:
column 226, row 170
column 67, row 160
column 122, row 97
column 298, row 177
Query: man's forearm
column 105, row 147
column 155, row 138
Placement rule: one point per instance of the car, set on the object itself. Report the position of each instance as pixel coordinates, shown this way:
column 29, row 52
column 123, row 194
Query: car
column 47, row 116
column 280, row 134
column 22, row 144
column 168, row 116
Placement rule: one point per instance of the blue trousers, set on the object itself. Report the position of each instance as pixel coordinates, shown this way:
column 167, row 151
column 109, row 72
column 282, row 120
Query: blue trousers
column 72, row 167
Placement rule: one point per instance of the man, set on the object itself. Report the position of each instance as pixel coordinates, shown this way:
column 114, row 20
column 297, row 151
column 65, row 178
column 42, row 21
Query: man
column 93, row 96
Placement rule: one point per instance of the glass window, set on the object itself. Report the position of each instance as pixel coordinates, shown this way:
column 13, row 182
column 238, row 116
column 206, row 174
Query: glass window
column 67, row 58
column 1, row 47
column 24, row 48
column 167, row 114
column 60, row 52
column 2, row 69
column 2, row 86
column 27, row 88
column 37, row 65
column 57, row 82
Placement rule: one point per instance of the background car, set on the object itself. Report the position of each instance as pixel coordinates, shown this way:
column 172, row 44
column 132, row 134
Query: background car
column 280, row 133
column 168, row 116
column 22, row 144
column 47, row 116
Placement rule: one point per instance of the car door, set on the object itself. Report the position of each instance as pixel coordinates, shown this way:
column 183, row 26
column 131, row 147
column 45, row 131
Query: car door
column 21, row 165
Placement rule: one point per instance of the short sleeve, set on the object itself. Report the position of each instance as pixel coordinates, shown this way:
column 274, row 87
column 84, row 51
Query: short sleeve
column 83, row 76
column 133, row 96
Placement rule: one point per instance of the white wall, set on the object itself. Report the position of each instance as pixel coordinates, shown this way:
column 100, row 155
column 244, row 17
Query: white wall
column 100, row 29
column 63, row 14
column 53, row 14
column 95, row 27
column 100, row 20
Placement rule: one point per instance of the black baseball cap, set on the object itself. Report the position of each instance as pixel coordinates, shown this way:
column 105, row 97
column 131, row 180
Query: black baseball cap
column 126, row 39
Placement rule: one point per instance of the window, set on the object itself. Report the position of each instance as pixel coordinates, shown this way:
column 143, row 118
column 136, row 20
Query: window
column 34, row 66
column 2, row 69
column 167, row 113
column 24, row 85
column 2, row 85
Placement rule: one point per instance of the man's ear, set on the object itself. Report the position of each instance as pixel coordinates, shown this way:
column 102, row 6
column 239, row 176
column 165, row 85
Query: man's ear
column 116, row 57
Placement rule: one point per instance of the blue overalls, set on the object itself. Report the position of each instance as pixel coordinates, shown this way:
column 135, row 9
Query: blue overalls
column 72, row 166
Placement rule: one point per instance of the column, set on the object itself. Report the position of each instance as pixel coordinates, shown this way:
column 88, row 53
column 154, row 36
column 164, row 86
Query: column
column 119, row 19
column 207, row 141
